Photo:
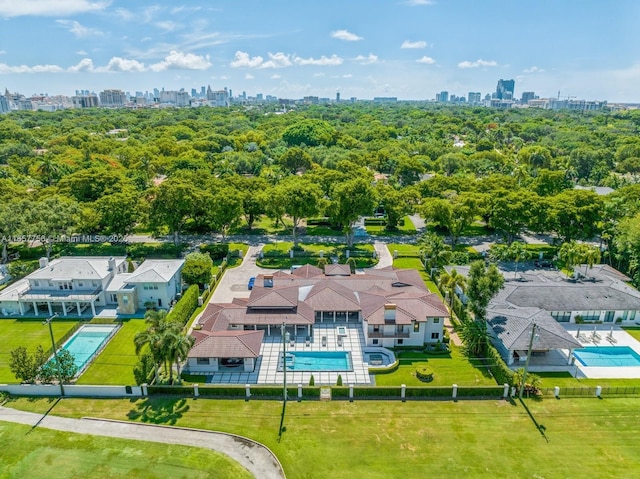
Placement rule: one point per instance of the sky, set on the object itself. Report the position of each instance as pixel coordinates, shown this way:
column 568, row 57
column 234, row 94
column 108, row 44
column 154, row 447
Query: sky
column 409, row 49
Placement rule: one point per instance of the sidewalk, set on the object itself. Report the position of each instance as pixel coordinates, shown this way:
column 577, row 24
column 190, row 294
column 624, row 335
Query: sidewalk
column 256, row 458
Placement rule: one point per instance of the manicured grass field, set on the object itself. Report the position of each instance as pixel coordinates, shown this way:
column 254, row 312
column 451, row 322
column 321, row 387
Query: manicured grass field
column 378, row 440
column 114, row 365
column 28, row 333
column 453, row 368
column 635, row 332
column 565, row 380
column 42, row 453
column 415, row 263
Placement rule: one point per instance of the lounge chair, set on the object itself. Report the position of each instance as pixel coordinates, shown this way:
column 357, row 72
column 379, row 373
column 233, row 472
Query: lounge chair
column 340, row 341
column 324, row 341
column 307, row 341
column 292, row 341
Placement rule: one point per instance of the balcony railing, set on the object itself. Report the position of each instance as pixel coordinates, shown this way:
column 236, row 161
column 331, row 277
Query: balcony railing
column 395, row 334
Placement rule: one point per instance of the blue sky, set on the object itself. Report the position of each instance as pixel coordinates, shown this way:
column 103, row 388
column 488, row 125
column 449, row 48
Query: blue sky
column 410, row 49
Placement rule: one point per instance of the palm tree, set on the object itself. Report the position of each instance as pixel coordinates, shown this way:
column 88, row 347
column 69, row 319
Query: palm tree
column 154, row 337
column 433, row 251
column 475, row 337
column 590, row 256
column 176, row 346
column 569, row 254
column 518, row 252
column 450, row 282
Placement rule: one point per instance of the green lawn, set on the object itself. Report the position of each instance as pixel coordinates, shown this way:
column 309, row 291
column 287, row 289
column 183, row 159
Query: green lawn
column 42, row 453
column 415, row 263
column 633, row 331
column 566, row 380
column 453, row 368
column 28, row 333
column 114, row 365
column 405, row 227
column 379, row 440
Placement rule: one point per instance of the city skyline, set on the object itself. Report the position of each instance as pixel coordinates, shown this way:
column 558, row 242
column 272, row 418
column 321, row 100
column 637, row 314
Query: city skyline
column 409, row 49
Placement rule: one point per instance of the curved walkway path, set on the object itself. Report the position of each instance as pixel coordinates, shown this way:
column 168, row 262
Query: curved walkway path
column 255, row 457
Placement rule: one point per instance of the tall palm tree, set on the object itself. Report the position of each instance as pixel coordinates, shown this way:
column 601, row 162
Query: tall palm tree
column 154, row 337
column 569, row 255
column 475, row 336
column 177, row 346
column 518, row 252
column 590, row 256
column 450, row 282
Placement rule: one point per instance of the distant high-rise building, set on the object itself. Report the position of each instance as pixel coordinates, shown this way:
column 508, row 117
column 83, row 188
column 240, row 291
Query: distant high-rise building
column 217, row 98
column 85, row 101
column 527, row 95
column 505, row 89
column 4, row 104
column 112, row 98
column 474, row 98
column 442, row 97
column 337, row 97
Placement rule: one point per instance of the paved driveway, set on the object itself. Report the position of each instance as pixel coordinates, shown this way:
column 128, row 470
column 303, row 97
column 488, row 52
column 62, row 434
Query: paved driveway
column 234, row 281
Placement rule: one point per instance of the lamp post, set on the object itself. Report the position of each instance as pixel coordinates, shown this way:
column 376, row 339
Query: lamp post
column 55, row 353
column 526, row 364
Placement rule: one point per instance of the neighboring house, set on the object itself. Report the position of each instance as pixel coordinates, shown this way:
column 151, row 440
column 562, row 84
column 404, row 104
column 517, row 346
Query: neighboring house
column 393, row 307
column 596, row 294
column 71, row 285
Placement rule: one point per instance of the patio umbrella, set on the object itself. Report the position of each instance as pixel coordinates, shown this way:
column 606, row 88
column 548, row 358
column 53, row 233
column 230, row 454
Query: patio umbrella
column 595, row 333
column 578, row 332
column 611, row 332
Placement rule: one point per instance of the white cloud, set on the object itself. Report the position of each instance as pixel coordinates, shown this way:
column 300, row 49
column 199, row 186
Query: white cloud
column 410, row 44
column 249, row 76
column 4, row 68
column 333, row 60
column 79, row 30
column 167, row 25
column 478, row 63
column 533, row 69
column 426, row 60
column 58, row 8
column 117, row 64
column 275, row 77
column 124, row 14
column 82, row 53
column 416, row 3
column 182, row 61
column 346, row 36
column 85, row 65
column 319, row 75
column 277, row 60
column 362, row 60
column 3, row 52
column 242, row 59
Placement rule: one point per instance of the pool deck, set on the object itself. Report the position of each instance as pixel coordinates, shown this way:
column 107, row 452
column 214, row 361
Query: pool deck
column 266, row 370
column 604, row 337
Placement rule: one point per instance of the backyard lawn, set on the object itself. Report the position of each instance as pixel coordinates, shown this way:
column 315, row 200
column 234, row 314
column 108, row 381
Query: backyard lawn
column 46, row 453
column 114, row 365
column 452, row 368
column 387, row 439
column 405, row 227
column 28, row 333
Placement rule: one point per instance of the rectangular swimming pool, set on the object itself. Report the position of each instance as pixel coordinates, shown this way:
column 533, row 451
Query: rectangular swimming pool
column 319, row 361
column 607, row 356
column 87, row 341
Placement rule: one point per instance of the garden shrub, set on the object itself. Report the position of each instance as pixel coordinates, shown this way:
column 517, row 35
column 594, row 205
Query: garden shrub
column 424, row 374
column 217, row 251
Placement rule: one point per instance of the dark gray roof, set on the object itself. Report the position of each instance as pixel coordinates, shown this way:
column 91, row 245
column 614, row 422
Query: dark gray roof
column 513, row 328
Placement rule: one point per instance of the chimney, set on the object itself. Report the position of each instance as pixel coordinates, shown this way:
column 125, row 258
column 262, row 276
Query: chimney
column 267, row 281
column 43, row 262
column 112, row 266
column 389, row 312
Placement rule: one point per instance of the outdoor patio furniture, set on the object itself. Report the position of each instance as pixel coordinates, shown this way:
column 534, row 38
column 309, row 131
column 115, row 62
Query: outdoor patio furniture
column 324, row 341
column 340, row 341
column 307, row 341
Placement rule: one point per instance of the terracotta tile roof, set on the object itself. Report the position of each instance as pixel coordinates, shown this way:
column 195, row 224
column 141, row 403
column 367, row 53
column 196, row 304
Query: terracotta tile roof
column 226, row 344
column 337, row 270
column 330, row 295
column 273, row 297
column 307, row 271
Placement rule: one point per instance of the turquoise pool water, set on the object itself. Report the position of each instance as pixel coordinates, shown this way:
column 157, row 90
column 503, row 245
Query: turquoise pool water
column 86, row 341
column 319, row 361
column 607, row 356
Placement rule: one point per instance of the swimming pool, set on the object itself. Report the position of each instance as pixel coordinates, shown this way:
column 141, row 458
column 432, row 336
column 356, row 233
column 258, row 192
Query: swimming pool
column 607, row 356
column 87, row 341
column 319, row 361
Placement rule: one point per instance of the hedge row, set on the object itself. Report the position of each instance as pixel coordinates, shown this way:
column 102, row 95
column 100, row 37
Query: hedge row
column 498, row 367
column 135, row 250
column 184, row 308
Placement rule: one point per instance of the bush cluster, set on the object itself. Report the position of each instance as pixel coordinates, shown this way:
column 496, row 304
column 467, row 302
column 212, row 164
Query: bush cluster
column 182, row 311
column 217, row 251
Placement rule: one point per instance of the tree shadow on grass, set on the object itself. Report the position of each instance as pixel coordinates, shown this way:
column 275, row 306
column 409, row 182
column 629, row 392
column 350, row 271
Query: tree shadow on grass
column 159, row 411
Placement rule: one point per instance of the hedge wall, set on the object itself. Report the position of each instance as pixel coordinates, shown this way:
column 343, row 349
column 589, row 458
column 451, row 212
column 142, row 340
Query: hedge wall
column 184, row 308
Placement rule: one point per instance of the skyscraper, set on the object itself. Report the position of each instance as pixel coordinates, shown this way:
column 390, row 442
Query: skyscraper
column 505, row 89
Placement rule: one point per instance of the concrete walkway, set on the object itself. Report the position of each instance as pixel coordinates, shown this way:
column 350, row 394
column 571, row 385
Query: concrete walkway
column 384, row 256
column 256, row 458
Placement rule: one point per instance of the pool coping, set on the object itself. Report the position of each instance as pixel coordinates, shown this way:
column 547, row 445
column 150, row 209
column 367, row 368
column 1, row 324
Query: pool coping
column 115, row 328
